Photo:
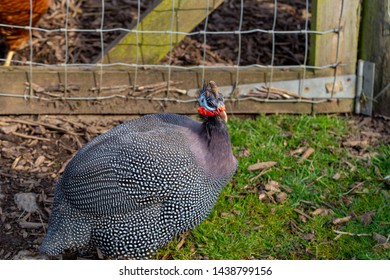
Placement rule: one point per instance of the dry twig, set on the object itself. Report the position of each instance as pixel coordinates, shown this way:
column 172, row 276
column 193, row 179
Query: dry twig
column 340, row 233
column 303, row 214
column 53, row 127
column 30, row 137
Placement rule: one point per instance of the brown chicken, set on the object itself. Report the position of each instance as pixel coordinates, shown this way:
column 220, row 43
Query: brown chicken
column 17, row 12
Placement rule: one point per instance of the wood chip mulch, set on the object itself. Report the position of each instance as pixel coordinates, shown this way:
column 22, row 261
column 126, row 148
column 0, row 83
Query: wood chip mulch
column 84, row 47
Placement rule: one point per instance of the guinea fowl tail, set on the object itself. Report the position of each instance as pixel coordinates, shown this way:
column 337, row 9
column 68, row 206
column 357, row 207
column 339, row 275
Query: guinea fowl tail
column 69, row 229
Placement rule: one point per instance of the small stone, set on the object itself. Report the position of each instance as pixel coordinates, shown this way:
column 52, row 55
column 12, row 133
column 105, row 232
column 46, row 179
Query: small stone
column 26, row 201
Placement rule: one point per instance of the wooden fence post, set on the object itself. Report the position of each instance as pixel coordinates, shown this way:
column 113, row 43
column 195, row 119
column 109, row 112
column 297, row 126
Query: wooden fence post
column 152, row 47
column 325, row 49
column 375, row 47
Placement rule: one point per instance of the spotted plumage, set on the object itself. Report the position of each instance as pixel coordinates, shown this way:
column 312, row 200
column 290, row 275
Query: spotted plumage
column 131, row 190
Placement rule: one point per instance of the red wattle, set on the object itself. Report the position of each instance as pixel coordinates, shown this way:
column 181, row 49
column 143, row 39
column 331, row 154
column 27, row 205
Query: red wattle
column 204, row 112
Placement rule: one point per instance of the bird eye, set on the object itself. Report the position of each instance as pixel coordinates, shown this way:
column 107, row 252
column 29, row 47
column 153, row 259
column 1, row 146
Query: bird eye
column 211, row 103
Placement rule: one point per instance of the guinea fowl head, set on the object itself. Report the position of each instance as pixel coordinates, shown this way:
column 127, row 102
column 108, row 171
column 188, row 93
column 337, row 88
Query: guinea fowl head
column 211, row 102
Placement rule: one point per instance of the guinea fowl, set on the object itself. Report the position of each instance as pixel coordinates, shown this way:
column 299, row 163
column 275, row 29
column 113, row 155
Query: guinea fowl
column 18, row 12
column 132, row 189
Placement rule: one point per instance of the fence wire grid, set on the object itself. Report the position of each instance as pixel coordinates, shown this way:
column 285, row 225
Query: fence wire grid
column 205, row 33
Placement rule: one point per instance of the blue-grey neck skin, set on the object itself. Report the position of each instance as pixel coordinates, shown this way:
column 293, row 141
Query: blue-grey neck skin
column 210, row 100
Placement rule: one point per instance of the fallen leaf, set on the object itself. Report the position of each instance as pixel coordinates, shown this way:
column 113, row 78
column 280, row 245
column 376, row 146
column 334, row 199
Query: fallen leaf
column 370, row 155
column 297, row 151
column 340, row 221
column 281, row 196
column 320, row 212
column 371, row 134
column 386, row 246
column 9, row 128
column 336, row 176
column 243, row 153
column 272, row 186
column 15, row 163
column 39, row 161
column 379, row 238
column 306, row 154
column 258, row 227
column 226, row 214
column 308, row 236
column 377, row 171
column 356, row 143
column 261, row 165
column 366, row 218
column 263, row 197
column 302, row 219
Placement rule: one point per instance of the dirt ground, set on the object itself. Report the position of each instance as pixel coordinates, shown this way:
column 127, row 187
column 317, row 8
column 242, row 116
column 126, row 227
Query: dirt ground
column 35, row 150
column 85, row 46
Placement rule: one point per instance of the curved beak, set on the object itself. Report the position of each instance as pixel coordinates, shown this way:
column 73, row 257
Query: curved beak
column 222, row 113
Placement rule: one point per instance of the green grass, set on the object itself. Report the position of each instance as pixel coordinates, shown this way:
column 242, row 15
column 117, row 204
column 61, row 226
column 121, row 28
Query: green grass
column 243, row 227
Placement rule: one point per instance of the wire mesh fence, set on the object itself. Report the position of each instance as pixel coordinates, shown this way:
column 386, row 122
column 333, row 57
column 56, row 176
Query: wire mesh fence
column 238, row 36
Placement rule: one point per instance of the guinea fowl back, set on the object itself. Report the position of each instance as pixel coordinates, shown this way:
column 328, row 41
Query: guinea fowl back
column 131, row 190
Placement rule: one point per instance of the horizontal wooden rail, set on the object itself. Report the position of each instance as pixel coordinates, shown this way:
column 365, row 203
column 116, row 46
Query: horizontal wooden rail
column 115, row 91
